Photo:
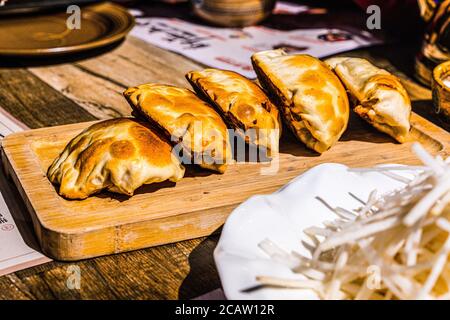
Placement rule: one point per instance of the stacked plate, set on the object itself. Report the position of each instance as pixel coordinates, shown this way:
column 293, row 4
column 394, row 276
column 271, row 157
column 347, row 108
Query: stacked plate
column 233, row 13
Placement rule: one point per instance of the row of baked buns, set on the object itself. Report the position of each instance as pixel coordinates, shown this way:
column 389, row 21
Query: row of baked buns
column 312, row 95
column 175, row 126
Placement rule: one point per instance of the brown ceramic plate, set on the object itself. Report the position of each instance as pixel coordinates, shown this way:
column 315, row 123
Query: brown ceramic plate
column 47, row 34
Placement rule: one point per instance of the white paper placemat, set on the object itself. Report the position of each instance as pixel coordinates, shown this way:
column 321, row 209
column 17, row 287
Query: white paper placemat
column 17, row 238
column 231, row 48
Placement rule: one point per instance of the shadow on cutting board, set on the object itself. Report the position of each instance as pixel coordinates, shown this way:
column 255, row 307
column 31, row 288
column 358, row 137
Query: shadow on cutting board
column 360, row 130
column 203, row 276
column 146, row 188
column 191, row 171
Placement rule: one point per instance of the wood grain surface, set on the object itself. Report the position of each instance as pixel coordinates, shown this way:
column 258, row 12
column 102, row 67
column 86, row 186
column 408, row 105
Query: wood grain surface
column 40, row 94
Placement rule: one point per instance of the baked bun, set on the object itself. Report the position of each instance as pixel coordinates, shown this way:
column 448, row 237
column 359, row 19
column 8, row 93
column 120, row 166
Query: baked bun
column 380, row 97
column 243, row 105
column 118, row 155
column 198, row 131
column 310, row 96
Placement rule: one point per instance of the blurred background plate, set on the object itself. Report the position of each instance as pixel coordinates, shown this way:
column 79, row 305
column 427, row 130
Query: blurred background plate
column 47, row 33
column 233, row 13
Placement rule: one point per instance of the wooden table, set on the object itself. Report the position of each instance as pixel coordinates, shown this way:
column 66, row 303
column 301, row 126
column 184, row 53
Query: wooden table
column 89, row 88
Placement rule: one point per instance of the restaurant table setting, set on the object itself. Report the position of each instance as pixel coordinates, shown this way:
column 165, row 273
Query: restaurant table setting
column 209, row 150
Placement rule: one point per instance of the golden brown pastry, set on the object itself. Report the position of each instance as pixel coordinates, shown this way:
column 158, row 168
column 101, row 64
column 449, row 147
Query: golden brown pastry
column 197, row 130
column 310, row 96
column 381, row 99
column 243, row 105
column 119, row 155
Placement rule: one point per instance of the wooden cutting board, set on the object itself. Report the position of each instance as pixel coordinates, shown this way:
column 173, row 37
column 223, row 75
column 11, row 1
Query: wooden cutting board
column 164, row 212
